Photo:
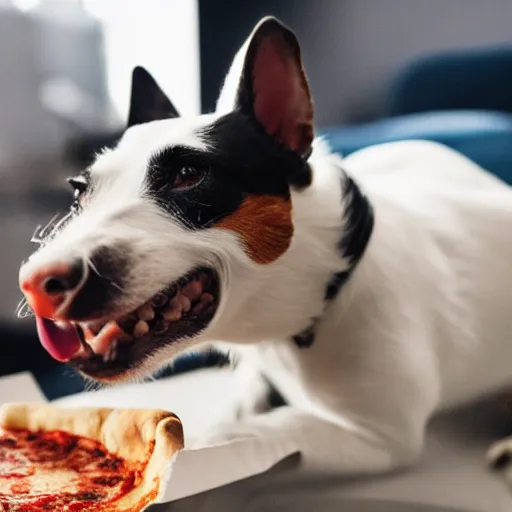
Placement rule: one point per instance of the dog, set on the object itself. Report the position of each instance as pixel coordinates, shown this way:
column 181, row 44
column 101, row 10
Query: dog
column 370, row 291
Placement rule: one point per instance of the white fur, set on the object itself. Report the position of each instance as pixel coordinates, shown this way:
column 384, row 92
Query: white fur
column 423, row 324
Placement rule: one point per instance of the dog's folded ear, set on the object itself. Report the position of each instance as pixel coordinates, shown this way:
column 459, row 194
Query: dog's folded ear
column 273, row 88
column 148, row 102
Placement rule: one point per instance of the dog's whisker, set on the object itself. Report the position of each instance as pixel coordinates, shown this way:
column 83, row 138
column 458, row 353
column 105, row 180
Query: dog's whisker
column 23, row 310
column 215, row 219
column 198, row 203
column 151, row 378
column 94, row 268
column 40, row 231
column 36, row 237
column 21, row 305
column 61, row 223
column 183, row 218
column 116, row 285
column 43, row 234
column 91, row 386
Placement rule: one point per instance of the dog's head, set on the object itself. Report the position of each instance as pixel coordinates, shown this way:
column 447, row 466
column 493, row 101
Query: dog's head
column 170, row 233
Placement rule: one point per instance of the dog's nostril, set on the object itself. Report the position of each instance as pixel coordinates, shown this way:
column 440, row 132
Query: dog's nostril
column 55, row 285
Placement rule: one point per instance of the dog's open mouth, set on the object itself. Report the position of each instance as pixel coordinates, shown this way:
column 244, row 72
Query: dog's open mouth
column 109, row 348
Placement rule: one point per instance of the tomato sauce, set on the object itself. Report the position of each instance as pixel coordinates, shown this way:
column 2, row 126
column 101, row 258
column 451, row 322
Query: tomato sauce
column 96, row 479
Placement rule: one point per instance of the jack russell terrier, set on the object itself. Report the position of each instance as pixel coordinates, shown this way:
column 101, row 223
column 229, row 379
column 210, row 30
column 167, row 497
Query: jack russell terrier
column 371, row 291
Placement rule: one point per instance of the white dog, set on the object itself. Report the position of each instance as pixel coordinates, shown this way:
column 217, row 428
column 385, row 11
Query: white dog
column 371, row 292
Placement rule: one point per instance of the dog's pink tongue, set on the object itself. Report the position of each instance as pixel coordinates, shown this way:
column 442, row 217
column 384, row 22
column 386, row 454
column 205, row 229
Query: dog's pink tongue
column 62, row 343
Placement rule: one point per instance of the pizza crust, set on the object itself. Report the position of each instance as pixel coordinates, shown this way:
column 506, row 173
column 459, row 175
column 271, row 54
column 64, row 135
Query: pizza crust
column 136, row 435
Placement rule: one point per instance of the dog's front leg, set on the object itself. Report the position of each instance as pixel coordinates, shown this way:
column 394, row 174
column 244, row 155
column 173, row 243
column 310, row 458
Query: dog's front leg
column 338, row 448
column 251, row 394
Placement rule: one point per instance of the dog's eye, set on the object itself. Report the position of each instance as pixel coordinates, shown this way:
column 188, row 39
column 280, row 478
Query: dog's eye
column 78, row 185
column 187, row 176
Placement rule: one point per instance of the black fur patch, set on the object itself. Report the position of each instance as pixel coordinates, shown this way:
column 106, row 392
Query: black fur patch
column 337, row 281
column 275, row 398
column 306, row 338
column 502, row 462
column 148, row 102
column 359, row 222
column 107, row 274
column 240, row 161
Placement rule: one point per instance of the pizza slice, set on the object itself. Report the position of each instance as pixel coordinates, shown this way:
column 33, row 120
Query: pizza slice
column 92, row 459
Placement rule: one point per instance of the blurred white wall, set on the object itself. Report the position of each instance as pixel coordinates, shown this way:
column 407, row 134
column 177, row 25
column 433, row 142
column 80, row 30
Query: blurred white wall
column 65, row 68
column 162, row 35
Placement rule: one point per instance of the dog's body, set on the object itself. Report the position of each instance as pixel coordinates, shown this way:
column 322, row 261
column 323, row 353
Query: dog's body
column 422, row 324
column 371, row 292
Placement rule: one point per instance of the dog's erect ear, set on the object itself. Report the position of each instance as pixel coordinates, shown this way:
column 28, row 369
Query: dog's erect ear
column 273, row 88
column 148, row 102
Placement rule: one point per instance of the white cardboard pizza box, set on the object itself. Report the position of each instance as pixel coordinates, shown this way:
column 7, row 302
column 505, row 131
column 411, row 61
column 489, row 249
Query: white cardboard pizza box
column 20, row 387
column 193, row 471
column 451, row 476
column 195, row 398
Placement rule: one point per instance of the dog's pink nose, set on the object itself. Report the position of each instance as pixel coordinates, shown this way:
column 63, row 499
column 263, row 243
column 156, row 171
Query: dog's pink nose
column 46, row 288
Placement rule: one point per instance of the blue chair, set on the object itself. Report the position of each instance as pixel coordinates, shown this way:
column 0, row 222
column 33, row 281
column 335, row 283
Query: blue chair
column 460, row 99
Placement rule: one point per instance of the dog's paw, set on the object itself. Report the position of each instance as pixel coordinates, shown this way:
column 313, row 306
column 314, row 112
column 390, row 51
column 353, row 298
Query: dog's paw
column 499, row 458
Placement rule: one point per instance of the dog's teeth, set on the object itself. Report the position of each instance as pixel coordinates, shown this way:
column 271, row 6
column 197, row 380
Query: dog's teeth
column 207, row 298
column 95, row 327
column 182, row 282
column 160, row 327
column 159, row 300
column 128, row 323
column 204, row 301
column 193, row 290
column 140, row 329
column 172, row 315
column 198, row 308
column 185, row 303
column 146, row 312
column 86, row 349
column 175, row 303
column 204, row 280
column 111, row 352
column 179, row 303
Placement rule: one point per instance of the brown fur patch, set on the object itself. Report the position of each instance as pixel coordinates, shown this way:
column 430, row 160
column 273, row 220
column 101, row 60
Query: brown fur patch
column 264, row 223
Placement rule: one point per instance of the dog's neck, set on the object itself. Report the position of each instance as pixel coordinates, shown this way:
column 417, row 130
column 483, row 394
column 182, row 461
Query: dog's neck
column 333, row 222
column 357, row 214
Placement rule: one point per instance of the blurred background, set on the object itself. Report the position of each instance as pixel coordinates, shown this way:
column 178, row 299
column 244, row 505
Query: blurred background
column 379, row 70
